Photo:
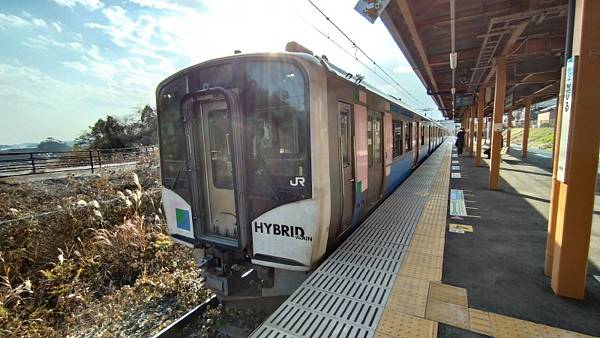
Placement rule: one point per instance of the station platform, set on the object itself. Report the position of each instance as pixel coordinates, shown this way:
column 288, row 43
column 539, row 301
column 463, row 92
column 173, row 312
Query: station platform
column 397, row 275
column 501, row 262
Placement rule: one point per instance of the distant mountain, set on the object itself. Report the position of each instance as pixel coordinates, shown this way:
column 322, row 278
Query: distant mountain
column 18, row 146
column 49, row 144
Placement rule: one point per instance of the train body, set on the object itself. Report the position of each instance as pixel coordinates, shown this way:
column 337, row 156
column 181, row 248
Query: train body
column 268, row 161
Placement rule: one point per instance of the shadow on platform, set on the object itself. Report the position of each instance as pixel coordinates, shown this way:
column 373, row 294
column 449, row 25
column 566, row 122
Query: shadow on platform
column 501, row 263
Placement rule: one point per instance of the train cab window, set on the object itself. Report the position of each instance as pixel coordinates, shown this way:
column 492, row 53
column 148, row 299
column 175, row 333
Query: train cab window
column 277, row 127
column 370, row 139
column 344, row 138
column 408, row 136
column 397, row 138
column 220, row 156
column 377, row 140
column 173, row 151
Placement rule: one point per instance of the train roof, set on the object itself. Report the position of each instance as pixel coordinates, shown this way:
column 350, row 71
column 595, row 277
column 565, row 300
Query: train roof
column 347, row 76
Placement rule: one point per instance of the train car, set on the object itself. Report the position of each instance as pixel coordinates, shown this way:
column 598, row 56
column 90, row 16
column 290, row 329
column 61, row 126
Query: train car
column 269, row 160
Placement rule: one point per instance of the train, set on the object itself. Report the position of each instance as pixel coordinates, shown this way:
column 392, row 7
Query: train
column 270, row 160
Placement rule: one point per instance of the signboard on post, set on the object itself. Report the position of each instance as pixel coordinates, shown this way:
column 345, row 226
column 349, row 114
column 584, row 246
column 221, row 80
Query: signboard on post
column 371, row 9
column 561, row 172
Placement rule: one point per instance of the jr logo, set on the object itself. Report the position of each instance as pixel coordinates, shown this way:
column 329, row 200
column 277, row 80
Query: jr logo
column 299, row 180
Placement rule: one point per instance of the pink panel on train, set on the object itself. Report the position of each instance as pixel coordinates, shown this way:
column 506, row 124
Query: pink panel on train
column 360, row 136
column 387, row 141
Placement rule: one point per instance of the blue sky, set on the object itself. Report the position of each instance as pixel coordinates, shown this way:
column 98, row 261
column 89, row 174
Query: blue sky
column 66, row 63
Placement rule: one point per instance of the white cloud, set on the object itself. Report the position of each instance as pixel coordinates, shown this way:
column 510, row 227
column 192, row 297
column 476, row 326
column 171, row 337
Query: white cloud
column 153, row 42
column 49, row 106
column 57, row 26
column 89, row 4
column 161, row 4
column 78, row 66
column 15, row 21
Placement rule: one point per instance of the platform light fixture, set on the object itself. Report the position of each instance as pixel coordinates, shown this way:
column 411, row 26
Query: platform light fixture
column 453, row 60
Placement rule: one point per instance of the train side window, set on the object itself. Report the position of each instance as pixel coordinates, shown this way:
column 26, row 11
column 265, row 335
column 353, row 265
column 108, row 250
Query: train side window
column 408, row 136
column 377, row 139
column 344, row 138
column 422, row 135
column 397, row 138
column 370, row 139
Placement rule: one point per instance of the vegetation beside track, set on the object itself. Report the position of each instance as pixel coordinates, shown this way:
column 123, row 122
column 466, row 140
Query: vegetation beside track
column 90, row 256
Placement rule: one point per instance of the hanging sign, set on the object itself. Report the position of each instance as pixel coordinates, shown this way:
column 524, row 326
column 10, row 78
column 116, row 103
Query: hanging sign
column 561, row 172
column 463, row 101
column 371, row 9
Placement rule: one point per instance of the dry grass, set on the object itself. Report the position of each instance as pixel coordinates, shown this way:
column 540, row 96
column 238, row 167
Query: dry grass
column 99, row 264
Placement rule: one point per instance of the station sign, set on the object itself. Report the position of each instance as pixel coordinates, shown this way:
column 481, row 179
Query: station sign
column 371, row 9
column 561, row 172
column 463, row 101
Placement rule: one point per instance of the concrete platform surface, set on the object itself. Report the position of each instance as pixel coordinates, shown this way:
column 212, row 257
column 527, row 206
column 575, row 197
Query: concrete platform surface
column 501, row 262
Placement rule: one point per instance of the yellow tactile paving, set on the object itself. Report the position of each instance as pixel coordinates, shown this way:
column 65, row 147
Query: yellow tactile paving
column 448, row 293
column 422, row 272
column 553, row 332
column 447, row 313
column 405, row 309
column 407, row 303
column 411, row 284
column 479, row 321
column 508, row 327
column 422, row 259
column 426, row 251
column 406, row 326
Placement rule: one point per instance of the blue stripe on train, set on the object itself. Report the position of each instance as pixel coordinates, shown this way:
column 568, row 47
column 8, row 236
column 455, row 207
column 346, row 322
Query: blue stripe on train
column 357, row 203
column 399, row 170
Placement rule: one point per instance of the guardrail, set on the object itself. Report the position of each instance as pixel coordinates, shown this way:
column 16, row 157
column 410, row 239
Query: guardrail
column 29, row 163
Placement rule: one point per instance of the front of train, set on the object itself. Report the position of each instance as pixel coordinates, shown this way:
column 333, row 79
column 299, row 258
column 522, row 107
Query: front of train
column 242, row 180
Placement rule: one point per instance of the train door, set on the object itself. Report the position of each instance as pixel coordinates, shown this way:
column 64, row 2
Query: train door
column 375, row 148
column 210, row 149
column 429, row 137
column 346, row 149
column 416, row 142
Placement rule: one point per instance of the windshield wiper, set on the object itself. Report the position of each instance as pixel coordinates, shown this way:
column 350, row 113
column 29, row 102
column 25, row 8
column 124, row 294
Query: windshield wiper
column 176, row 179
column 265, row 167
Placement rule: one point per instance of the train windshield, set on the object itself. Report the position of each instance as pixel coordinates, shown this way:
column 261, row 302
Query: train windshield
column 277, row 122
column 174, row 172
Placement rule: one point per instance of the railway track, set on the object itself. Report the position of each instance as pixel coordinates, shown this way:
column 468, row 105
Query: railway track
column 177, row 328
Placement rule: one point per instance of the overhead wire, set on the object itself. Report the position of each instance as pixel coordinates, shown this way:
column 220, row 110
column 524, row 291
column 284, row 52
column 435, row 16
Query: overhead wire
column 357, row 47
column 347, row 51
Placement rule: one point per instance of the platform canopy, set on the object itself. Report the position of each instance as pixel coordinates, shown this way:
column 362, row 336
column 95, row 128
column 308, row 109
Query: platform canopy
column 529, row 33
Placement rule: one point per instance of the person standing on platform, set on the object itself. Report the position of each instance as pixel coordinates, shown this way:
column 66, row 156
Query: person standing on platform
column 460, row 140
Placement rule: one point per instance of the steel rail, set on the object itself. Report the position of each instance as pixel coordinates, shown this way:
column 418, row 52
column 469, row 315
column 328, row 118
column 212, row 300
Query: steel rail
column 175, row 329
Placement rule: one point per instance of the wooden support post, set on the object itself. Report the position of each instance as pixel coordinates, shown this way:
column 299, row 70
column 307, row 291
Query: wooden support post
column 555, row 186
column 472, row 130
column 467, row 131
column 480, row 104
column 509, row 124
column 500, row 91
column 526, row 125
column 578, row 155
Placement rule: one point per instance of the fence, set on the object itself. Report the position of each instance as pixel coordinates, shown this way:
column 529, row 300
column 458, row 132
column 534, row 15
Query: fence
column 28, row 163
